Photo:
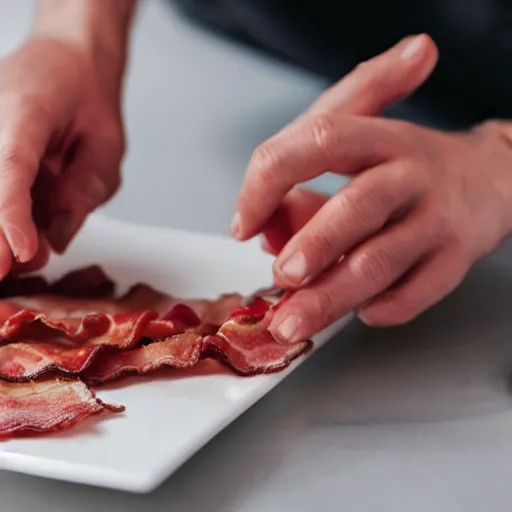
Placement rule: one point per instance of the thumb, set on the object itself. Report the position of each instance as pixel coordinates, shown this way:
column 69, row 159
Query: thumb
column 87, row 183
column 385, row 79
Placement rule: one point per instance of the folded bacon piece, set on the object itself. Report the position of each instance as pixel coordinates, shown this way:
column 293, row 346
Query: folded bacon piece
column 46, row 406
column 246, row 345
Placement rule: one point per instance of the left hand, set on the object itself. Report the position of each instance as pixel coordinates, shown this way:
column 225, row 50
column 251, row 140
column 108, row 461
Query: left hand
column 422, row 207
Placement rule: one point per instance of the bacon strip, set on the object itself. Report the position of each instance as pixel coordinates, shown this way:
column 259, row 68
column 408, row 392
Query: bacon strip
column 249, row 349
column 180, row 351
column 77, row 327
column 29, row 359
column 242, row 343
column 47, row 406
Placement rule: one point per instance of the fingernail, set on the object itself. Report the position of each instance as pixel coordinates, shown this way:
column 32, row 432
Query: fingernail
column 294, row 267
column 235, row 225
column 61, row 231
column 412, row 46
column 17, row 242
column 287, row 330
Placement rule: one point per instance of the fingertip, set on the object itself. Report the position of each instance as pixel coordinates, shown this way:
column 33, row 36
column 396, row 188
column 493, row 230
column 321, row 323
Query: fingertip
column 38, row 261
column 236, row 226
column 420, row 50
column 287, row 326
column 430, row 44
column 61, row 231
column 23, row 242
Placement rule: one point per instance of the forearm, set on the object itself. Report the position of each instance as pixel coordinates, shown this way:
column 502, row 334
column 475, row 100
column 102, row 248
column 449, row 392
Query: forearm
column 101, row 27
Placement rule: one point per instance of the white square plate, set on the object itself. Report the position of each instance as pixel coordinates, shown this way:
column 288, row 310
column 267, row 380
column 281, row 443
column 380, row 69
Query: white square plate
column 170, row 416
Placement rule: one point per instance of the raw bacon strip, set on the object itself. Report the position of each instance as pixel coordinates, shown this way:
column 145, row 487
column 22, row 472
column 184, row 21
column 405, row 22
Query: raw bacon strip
column 179, row 351
column 249, row 348
column 46, row 406
column 27, row 360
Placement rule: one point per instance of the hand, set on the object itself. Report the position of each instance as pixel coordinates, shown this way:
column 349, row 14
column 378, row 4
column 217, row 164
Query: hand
column 422, row 206
column 61, row 143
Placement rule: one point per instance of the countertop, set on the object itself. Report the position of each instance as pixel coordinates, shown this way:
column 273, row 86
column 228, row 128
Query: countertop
column 416, row 418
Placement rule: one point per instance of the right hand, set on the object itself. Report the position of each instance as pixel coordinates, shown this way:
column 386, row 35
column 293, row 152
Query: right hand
column 61, row 146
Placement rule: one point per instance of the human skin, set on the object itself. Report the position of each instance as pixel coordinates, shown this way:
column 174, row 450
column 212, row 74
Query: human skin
column 61, row 132
column 422, row 205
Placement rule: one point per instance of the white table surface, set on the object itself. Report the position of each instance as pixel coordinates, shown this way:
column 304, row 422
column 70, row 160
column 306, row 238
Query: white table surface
column 417, row 418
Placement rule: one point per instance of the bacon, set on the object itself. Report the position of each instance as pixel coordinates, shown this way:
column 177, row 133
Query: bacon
column 76, row 327
column 47, row 406
column 85, row 282
column 28, row 359
column 180, row 351
column 242, row 343
column 247, row 346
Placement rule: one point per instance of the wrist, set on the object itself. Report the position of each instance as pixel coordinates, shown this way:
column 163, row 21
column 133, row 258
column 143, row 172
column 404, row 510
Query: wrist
column 97, row 27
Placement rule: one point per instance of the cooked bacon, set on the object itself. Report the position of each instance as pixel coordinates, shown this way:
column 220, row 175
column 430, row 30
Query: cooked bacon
column 179, row 351
column 77, row 327
column 246, row 345
column 28, row 359
column 243, row 343
column 47, row 406
column 87, row 282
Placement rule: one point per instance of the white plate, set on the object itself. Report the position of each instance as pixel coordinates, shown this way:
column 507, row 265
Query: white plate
column 171, row 416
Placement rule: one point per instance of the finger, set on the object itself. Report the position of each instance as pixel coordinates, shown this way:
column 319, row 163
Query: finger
column 385, row 79
column 23, row 140
column 296, row 209
column 308, row 148
column 424, row 287
column 369, row 270
column 37, row 262
column 6, row 259
column 89, row 181
column 356, row 212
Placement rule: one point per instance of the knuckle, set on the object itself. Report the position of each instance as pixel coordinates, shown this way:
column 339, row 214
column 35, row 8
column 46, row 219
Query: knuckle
column 375, row 267
column 438, row 225
column 324, row 307
column 321, row 128
column 25, row 106
column 265, row 160
column 321, row 244
column 356, row 204
column 12, row 159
